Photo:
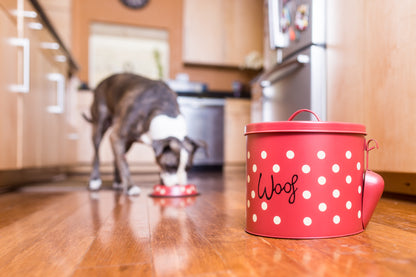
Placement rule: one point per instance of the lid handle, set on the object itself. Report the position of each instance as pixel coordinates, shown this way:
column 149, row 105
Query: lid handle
column 369, row 148
column 301, row 111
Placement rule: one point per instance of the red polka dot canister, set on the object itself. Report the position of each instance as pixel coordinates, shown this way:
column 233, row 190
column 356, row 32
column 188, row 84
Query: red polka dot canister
column 307, row 179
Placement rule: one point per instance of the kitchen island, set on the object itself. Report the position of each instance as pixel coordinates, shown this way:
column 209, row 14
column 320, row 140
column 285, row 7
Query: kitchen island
column 62, row 229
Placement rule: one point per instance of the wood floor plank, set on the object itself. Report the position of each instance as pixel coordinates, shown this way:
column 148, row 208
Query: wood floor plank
column 73, row 232
column 53, row 240
column 178, row 248
column 115, row 271
column 123, row 238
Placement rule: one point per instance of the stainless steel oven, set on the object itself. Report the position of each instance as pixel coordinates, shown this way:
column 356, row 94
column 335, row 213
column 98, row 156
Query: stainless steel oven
column 205, row 121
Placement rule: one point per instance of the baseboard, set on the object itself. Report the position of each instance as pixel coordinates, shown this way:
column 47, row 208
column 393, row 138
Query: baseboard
column 108, row 168
column 11, row 179
column 402, row 183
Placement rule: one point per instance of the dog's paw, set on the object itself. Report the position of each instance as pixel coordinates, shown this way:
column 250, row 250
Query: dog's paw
column 117, row 186
column 95, row 184
column 133, row 191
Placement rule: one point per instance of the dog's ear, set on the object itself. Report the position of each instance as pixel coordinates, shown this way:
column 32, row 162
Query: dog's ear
column 159, row 146
column 193, row 145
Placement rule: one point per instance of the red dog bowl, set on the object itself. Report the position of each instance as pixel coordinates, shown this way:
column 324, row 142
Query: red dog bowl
column 174, row 191
column 307, row 179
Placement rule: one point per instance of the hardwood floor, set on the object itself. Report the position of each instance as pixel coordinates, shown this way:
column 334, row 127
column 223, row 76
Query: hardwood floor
column 61, row 229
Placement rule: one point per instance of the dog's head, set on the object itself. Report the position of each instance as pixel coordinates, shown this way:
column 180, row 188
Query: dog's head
column 175, row 158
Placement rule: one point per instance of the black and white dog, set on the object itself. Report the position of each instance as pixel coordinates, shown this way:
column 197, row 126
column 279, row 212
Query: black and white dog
column 146, row 111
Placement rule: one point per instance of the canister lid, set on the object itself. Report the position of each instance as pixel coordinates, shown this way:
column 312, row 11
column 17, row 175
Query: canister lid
column 304, row 126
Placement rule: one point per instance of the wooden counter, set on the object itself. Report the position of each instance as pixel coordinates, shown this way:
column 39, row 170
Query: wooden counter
column 61, row 229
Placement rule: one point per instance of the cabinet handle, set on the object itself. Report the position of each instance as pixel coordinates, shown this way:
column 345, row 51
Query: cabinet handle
column 25, row 14
column 60, row 91
column 25, row 44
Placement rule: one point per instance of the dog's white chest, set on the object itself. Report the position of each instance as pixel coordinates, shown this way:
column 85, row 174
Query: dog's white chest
column 163, row 126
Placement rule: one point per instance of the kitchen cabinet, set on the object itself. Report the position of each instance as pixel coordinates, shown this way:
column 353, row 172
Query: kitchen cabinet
column 8, row 100
column 34, row 123
column 222, row 33
column 371, row 80
column 237, row 116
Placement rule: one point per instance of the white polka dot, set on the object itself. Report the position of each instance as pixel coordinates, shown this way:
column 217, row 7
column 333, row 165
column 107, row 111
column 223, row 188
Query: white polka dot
column 263, row 155
column 264, row 206
column 359, row 189
column 348, row 154
column 276, row 168
column 348, row 205
column 359, row 214
column 336, row 193
column 358, row 166
column 248, row 178
column 254, row 167
column 254, row 217
column 321, row 155
column 290, row 154
column 306, row 169
column 277, row 220
column 307, row 221
column 162, row 191
column 248, row 203
column 322, row 180
column 306, row 194
column 336, row 219
column 253, row 194
column 348, row 179
column 335, row 168
column 248, row 155
column 322, row 207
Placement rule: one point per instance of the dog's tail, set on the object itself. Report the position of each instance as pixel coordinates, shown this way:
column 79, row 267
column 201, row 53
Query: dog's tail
column 88, row 119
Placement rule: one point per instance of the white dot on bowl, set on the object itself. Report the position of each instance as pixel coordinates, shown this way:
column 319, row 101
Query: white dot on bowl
column 307, row 221
column 348, row 154
column 162, row 191
column 306, row 194
column 358, row 166
column 322, row 207
column 306, row 169
column 322, row 180
column 321, row 155
column 254, row 217
column 336, row 219
column 348, row 179
column 348, row 205
column 359, row 214
column 276, row 168
column 290, row 154
column 335, row 168
column 263, row 154
column 264, row 206
column 359, row 189
column 254, row 167
column 336, row 193
column 277, row 220
column 248, row 155
column 248, row 203
column 253, row 194
column 248, row 178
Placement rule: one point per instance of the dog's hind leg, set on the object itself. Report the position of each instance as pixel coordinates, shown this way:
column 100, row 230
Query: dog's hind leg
column 98, row 132
column 117, row 179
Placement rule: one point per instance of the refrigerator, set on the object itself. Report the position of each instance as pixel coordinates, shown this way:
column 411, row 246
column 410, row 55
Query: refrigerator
column 295, row 70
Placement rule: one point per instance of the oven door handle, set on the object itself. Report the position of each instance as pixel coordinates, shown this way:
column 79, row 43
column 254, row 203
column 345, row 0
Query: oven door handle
column 300, row 60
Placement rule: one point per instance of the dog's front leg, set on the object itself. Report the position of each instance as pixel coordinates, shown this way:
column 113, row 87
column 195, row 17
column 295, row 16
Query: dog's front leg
column 119, row 149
